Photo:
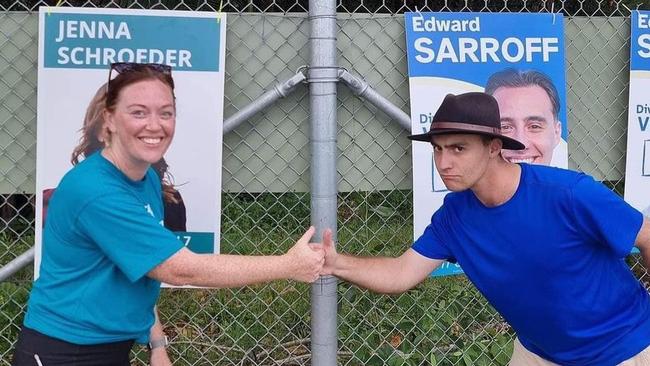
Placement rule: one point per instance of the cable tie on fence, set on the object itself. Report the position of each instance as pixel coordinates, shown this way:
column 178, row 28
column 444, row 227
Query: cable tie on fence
column 58, row 3
column 553, row 11
column 628, row 9
column 418, row 13
column 219, row 12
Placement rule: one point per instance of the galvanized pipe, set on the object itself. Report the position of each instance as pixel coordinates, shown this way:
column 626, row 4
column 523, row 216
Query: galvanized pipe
column 322, row 78
column 361, row 88
column 279, row 90
column 17, row 264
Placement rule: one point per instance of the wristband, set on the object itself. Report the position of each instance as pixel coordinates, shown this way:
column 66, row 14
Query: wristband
column 159, row 342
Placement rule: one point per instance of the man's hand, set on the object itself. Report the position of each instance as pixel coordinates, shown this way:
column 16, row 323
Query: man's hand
column 304, row 259
column 330, row 254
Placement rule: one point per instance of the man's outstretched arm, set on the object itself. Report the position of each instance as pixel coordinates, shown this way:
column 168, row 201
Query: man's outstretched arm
column 379, row 274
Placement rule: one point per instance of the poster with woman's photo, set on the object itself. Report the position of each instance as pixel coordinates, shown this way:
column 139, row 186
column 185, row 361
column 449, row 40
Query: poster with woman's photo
column 637, row 164
column 517, row 58
column 76, row 49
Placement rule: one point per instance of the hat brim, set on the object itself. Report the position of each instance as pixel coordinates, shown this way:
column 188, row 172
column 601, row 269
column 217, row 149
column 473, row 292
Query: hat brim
column 508, row 143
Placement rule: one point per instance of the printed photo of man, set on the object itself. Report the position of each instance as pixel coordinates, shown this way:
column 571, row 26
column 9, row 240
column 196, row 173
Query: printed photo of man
column 529, row 105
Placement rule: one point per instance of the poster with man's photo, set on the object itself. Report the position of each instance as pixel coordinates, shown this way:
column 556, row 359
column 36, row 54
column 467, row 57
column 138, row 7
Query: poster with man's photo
column 637, row 164
column 517, row 58
column 77, row 47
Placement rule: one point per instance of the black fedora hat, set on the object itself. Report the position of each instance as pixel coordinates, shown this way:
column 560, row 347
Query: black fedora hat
column 474, row 113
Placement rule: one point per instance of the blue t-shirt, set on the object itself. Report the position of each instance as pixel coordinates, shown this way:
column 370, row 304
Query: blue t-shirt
column 102, row 235
column 551, row 261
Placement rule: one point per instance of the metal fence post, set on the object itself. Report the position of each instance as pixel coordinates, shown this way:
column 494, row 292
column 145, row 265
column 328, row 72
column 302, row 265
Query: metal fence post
column 323, row 77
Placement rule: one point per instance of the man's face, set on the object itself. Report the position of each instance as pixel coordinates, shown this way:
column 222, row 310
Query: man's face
column 527, row 116
column 461, row 160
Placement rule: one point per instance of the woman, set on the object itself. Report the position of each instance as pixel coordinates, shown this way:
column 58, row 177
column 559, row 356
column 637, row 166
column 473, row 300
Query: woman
column 105, row 251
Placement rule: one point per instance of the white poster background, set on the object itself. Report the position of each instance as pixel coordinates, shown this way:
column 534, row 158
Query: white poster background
column 637, row 161
column 195, row 154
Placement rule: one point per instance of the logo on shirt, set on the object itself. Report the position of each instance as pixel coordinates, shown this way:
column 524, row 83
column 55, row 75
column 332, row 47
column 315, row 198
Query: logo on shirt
column 149, row 210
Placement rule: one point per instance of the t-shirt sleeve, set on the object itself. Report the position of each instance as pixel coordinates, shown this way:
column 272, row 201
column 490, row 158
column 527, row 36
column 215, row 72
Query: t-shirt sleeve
column 431, row 243
column 605, row 217
column 129, row 236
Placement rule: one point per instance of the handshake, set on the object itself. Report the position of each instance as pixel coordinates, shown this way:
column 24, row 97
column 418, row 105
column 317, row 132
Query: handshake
column 306, row 261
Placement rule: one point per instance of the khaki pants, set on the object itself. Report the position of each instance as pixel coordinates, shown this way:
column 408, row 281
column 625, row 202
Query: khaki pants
column 523, row 357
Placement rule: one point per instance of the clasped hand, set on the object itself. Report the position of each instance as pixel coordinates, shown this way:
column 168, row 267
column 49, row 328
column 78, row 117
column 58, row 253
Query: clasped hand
column 308, row 260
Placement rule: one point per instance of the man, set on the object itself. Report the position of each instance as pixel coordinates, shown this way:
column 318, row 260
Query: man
column 529, row 106
column 544, row 245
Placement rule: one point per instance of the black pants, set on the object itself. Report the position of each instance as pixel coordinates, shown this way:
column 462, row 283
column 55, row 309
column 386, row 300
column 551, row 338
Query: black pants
column 34, row 347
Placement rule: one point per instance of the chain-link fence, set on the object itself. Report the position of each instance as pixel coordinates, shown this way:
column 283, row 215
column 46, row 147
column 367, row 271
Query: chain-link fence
column 265, row 195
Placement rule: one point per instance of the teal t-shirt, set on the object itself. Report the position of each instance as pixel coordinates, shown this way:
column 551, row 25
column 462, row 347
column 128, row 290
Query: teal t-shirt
column 103, row 234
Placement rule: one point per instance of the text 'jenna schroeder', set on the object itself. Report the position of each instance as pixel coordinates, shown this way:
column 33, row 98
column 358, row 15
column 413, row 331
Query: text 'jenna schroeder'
column 80, row 29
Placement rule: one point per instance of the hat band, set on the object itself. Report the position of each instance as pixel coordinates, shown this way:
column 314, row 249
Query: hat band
column 466, row 126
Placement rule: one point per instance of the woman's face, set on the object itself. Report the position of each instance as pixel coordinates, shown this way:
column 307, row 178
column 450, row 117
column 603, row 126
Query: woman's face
column 141, row 125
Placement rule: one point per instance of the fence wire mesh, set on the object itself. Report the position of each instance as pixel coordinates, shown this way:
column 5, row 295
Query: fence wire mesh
column 265, row 198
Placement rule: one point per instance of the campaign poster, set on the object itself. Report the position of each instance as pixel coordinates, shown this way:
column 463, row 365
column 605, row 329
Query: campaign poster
column 76, row 48
column 517, row 58
column 637, row 162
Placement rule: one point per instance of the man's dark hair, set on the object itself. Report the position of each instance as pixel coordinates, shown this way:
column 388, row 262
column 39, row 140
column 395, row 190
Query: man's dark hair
column 486, row 139
column 513, row 78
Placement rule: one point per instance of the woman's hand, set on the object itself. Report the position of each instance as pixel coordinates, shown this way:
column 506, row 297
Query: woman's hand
column 305, row 260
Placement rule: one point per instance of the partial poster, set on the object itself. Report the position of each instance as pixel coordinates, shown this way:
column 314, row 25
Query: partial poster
column 76, row 48
column 637, row 162
column 517, row 58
